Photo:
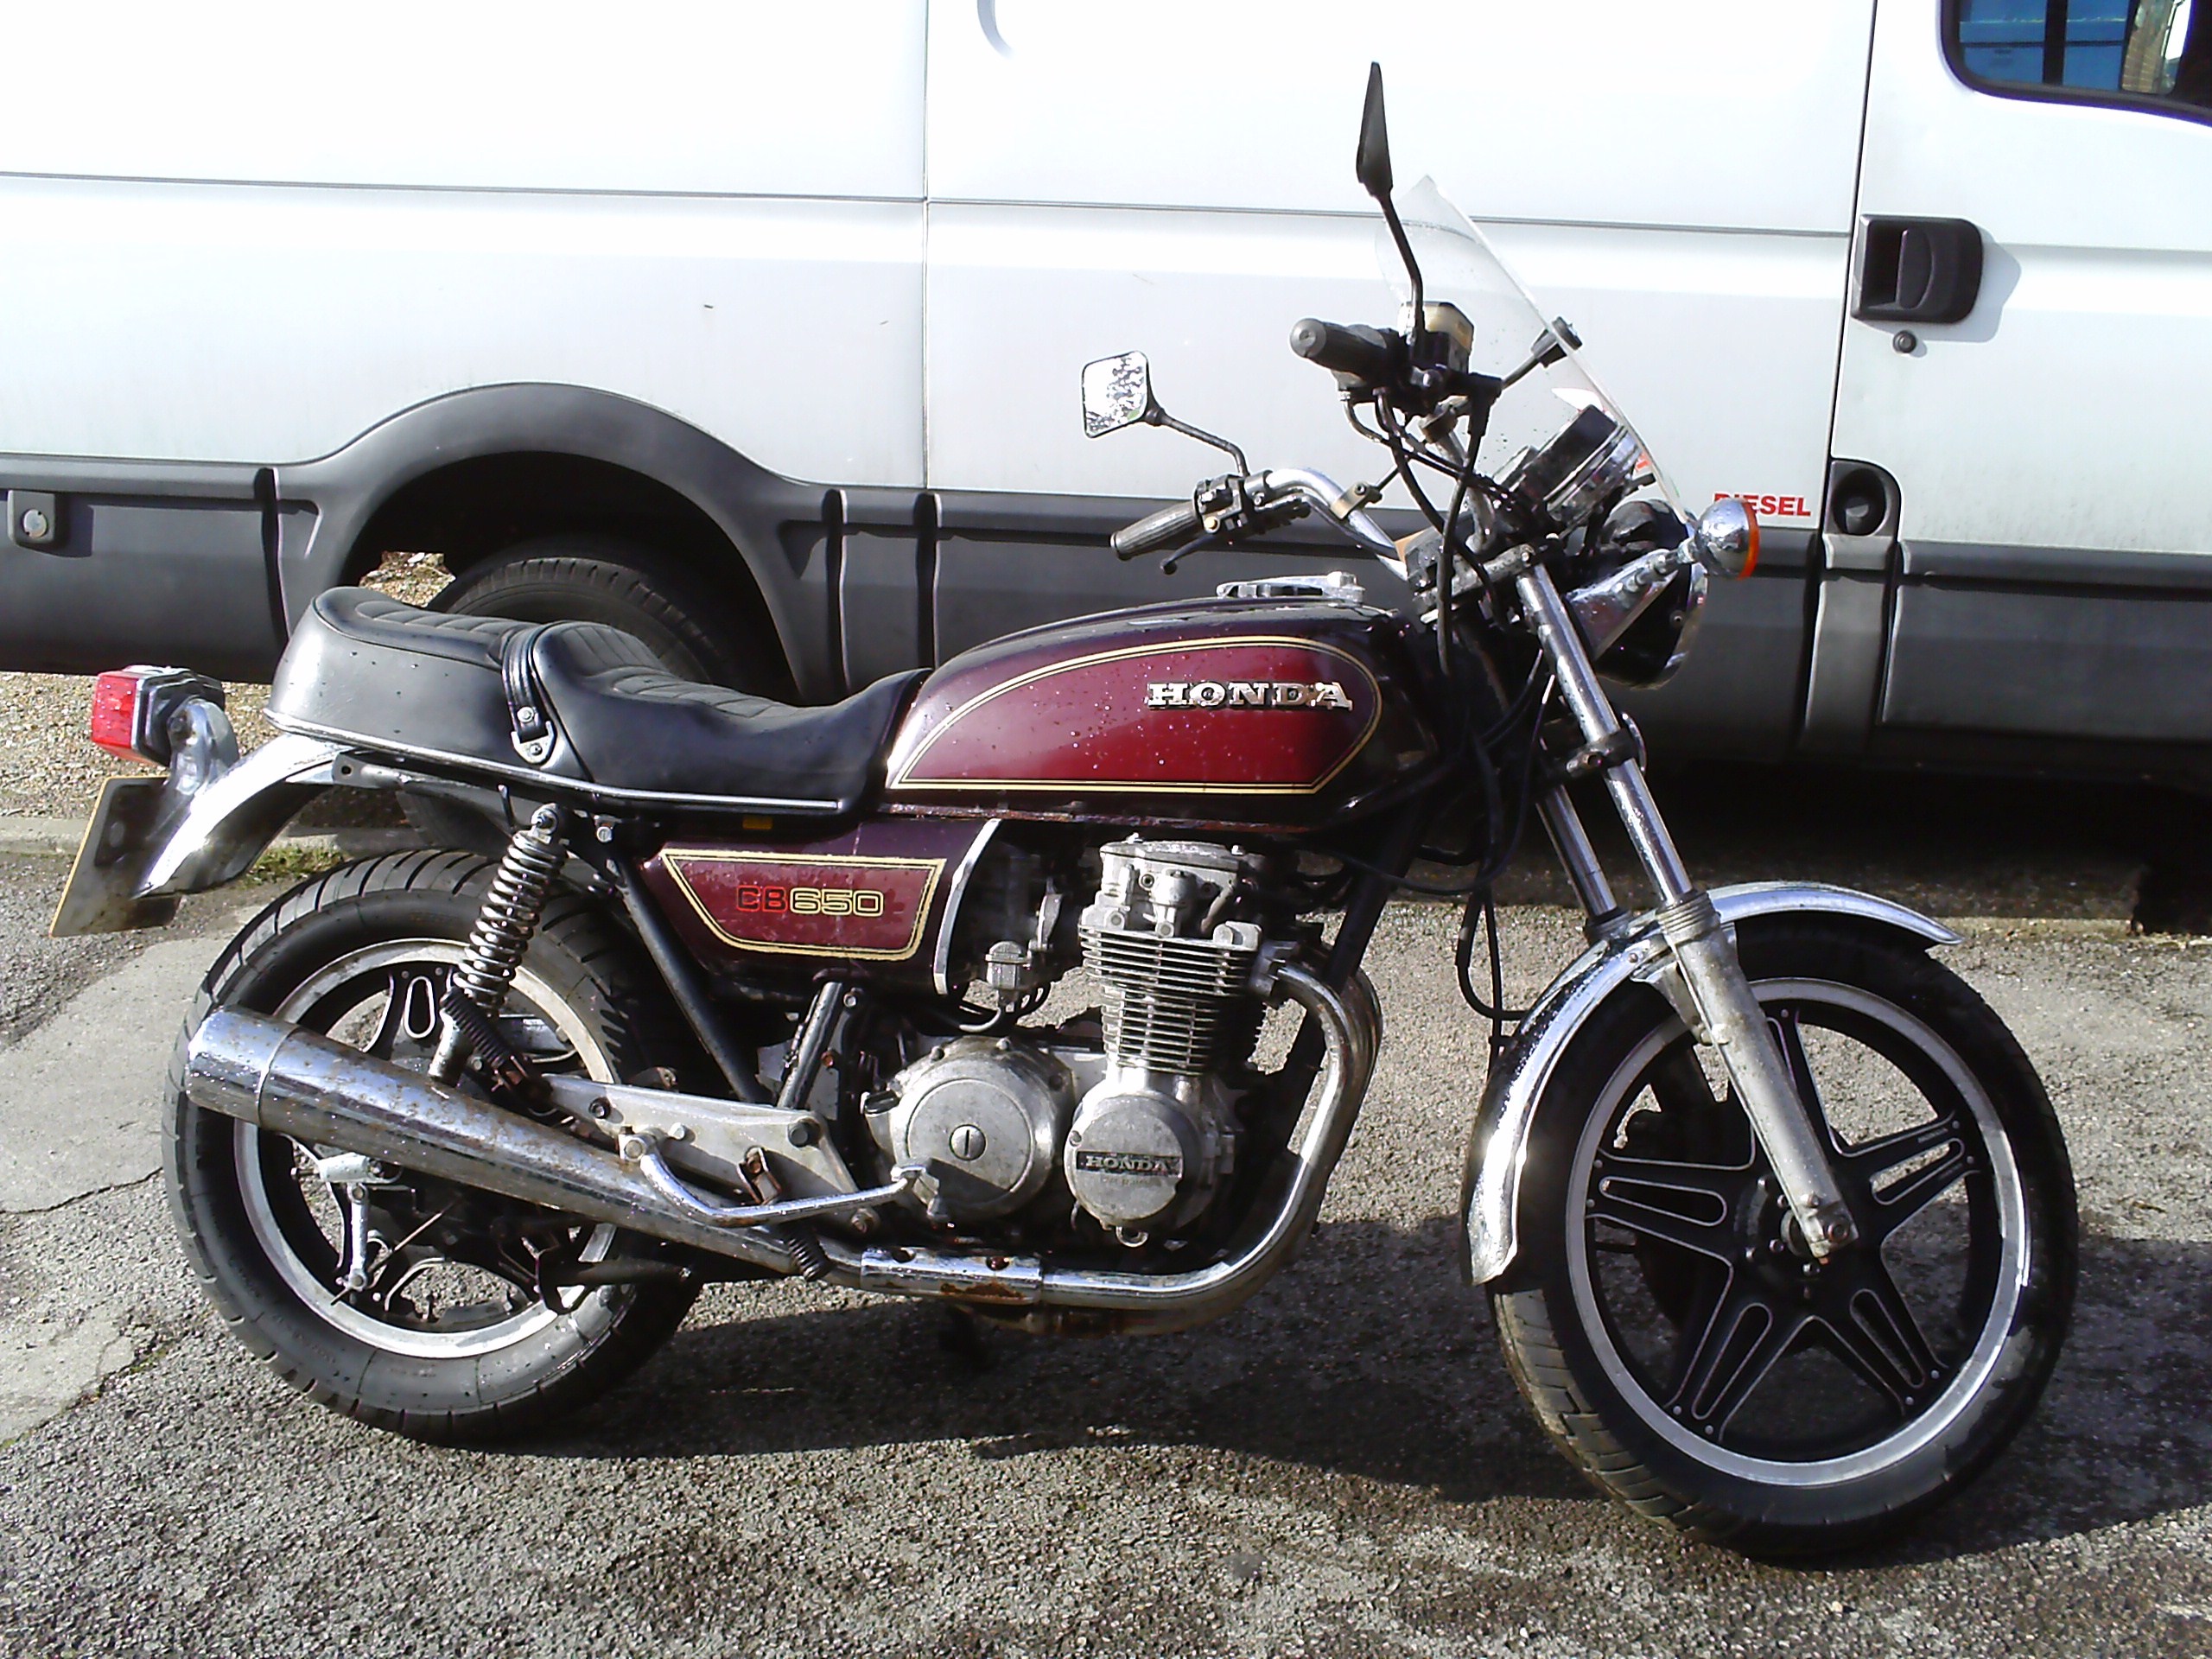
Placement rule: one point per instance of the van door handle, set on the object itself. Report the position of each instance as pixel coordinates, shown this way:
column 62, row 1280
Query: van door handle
column 1916, row 269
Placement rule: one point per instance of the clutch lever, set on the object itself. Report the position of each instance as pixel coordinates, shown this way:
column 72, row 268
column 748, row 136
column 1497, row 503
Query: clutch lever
column 1196, row 545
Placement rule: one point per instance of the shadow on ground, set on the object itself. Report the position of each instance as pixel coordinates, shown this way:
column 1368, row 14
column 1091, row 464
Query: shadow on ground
column 1370, row 1361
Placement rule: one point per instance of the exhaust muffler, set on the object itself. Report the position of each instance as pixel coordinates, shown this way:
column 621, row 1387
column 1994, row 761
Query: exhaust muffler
column 298, row 1083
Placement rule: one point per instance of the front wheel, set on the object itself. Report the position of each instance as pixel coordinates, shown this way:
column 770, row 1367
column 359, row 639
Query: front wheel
column 1663, row 1318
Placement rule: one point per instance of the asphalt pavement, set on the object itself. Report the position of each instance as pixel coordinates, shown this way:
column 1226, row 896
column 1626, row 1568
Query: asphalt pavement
column 1341, row 1468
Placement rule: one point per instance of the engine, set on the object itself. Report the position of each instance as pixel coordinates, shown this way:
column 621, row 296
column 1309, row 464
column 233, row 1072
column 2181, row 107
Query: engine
column 1140, row 1130
column 1151, row 1139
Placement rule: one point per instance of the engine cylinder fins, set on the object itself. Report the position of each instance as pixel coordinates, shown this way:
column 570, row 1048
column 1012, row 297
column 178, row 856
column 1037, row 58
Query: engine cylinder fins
column 985, row 1117
column 1177, row 971
column 1176, row 1005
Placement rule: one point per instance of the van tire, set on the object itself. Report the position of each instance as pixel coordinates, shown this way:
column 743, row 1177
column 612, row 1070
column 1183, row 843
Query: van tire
column 589, row 578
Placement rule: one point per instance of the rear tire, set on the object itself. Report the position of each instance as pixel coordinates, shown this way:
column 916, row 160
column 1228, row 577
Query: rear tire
column 454, row 1351
column 1672, row 1335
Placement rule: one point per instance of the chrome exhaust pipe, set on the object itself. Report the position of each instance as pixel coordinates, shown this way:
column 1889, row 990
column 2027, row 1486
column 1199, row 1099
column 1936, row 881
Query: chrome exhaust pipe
column 1155, row 1303
column 299, row 1083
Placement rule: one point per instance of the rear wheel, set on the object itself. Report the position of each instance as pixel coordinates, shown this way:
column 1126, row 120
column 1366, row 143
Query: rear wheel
column 412, row 1304
column 1677, row 1340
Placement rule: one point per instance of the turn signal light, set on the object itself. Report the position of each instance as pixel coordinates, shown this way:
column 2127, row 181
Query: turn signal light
column 1727, row 537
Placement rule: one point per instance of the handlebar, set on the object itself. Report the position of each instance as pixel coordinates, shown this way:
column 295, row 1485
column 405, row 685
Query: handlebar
column 1274, row 492
column 1169, row 527
column 1371, row 356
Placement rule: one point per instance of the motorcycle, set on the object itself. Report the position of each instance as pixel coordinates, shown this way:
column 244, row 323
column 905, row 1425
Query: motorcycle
column 1774, row 1216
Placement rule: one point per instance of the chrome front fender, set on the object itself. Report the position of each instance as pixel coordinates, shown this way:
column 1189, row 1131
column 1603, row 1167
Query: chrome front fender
column 1498, row 1149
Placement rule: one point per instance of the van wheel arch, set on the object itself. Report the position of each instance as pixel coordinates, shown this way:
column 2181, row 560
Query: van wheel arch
column 521, row 525
column 477, row 475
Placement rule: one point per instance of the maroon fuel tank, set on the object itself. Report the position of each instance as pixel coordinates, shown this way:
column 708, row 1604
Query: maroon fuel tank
column 1268, row 714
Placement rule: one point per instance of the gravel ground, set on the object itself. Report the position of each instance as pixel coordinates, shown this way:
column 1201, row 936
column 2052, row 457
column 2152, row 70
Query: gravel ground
column 49, row 767
column 1341, row 1468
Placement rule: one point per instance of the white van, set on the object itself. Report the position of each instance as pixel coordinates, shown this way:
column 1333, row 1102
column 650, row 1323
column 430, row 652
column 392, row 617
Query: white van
column 755, row 328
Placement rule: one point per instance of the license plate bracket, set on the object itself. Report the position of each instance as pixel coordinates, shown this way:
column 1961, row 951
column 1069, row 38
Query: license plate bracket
column 101, row 896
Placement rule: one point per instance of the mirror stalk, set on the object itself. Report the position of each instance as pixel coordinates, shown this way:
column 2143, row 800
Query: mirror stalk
column 1415, row 327
column 1157, row 417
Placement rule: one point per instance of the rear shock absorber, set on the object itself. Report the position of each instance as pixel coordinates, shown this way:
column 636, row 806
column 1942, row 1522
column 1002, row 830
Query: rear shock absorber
column 505, row 923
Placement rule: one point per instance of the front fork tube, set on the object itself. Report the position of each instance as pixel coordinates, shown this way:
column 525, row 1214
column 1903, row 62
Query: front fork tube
column 1726, row 1012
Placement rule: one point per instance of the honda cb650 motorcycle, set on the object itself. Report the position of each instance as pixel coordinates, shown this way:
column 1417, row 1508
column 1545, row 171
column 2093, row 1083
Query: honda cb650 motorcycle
column 1773, row 1213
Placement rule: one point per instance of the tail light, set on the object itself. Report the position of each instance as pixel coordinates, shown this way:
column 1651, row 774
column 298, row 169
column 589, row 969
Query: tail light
column 131, row 708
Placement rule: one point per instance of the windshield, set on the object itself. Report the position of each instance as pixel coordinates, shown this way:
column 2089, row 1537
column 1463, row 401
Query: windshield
column 1527, row 432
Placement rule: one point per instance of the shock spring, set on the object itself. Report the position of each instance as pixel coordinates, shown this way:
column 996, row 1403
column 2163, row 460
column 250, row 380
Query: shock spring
column 504, row 924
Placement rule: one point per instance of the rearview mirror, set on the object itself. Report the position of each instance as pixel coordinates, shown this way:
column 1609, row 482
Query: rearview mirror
column 1373, row 162
column 1117, row 392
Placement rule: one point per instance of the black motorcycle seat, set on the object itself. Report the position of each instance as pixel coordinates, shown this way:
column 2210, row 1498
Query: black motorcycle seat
column 364, row 666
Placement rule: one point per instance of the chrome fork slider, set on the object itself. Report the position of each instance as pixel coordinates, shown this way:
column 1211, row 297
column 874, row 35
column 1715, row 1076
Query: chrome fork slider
column 1728, row 1011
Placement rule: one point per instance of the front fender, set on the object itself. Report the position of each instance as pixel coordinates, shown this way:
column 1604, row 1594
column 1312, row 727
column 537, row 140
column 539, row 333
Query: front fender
column 1490, row 1193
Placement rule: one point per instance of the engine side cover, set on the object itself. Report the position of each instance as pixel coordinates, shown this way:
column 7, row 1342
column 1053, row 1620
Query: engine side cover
column 985, row 1116
column 1146, row 1149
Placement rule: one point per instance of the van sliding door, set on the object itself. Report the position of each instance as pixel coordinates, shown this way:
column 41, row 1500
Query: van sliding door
column 1674, row 179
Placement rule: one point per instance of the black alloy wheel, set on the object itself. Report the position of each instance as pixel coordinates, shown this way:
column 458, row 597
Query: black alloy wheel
column 1677, row 1339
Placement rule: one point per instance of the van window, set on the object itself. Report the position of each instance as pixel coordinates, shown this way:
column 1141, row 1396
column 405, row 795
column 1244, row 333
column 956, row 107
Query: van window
column 2145, row 53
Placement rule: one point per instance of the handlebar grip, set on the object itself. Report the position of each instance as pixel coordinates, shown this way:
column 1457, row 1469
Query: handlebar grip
column 1373, row 355
column 1169, row 527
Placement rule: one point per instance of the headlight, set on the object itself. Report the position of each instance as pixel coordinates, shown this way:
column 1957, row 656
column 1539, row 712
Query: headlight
column 1727, row 537
column 1640, row 616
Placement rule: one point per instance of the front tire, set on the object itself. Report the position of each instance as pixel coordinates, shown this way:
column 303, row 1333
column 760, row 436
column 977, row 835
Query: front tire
column 449, row 1339
column 1676, row 1341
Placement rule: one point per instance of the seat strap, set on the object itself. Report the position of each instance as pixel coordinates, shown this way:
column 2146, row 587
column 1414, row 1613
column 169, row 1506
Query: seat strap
column 527, row 707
